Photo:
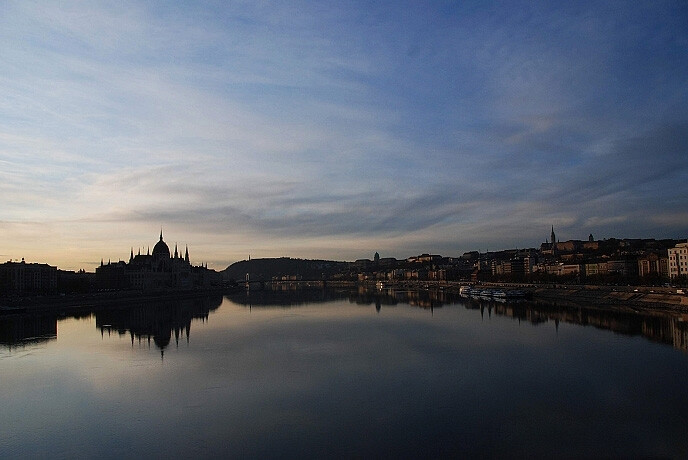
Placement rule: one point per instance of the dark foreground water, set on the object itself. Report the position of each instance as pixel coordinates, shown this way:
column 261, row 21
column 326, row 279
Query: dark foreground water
column 326, row 374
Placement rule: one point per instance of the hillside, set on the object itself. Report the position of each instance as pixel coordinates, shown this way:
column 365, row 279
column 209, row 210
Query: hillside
column 266, row 269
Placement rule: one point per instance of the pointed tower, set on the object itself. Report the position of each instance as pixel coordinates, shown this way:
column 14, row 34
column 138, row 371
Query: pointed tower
column 131, row 256
column 176, row 254
column 186, row 254
column 160, row 233
column 554, row 242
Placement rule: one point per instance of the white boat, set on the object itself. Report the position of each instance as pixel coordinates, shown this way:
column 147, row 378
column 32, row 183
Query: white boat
column 515, row 294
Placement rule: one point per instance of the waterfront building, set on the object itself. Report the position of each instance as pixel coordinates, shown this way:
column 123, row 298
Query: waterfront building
column 652, row 263
column 678, row 260
column 157, row 271
column 437, row 275
column 23, row 278
column 518, row 268
column 396, row 274
column 595, row 269
column 622, row 267
column 563, row 269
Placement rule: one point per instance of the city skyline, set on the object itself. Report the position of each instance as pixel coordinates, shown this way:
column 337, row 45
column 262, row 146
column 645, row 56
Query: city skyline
column 181, row 252
column 333, row 131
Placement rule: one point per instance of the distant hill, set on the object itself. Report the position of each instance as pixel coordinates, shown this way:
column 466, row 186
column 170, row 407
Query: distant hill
column 266, row 269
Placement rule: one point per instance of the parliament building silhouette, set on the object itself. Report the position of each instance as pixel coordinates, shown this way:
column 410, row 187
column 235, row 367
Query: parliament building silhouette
column 159, row 270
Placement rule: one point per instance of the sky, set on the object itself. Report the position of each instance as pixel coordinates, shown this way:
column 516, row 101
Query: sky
column 336, row 129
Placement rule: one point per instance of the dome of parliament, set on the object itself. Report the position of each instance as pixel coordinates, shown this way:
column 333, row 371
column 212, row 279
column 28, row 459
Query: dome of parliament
column 161, row 249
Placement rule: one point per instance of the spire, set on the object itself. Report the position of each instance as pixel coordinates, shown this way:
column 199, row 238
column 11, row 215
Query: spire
column 131, row 256
column 148, row 253
column 176, row 255
column 101, row 262
column 160, row 233
column 186, row 254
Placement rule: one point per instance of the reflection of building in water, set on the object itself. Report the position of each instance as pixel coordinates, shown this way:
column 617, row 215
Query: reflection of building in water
column 367, row 296
column 159, row 270
column 23, row 329
column 278, row 296
column 426, row 299
column 667, row 329
column 157, row 321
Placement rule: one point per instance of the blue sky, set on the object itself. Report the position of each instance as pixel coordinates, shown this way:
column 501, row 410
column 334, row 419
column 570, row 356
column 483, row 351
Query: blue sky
column 337, row 129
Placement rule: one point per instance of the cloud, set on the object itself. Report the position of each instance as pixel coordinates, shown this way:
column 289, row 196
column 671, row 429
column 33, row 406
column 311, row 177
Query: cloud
column 632, row 164
column 289, row 124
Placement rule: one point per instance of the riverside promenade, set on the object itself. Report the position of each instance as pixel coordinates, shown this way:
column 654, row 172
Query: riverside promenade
column 626, row 298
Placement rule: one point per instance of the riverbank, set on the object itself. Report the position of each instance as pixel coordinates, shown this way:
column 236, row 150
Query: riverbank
column 97, row 300
column 613, row 297
column 627, row 298
column 620, row 298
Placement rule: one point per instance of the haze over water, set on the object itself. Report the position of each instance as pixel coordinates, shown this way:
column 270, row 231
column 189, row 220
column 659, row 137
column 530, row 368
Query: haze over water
column 338, row 374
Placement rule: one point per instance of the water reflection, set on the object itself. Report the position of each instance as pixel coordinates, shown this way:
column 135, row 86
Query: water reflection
column 669, row 328
column 363, row 376
column 290, row 296
column 154, row 320
column 160, row 321
column 278, row 296
column 157, row 321
column 21, row 330
column 427, row 299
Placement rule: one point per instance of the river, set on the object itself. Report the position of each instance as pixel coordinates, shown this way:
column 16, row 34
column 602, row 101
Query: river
column 336, row 373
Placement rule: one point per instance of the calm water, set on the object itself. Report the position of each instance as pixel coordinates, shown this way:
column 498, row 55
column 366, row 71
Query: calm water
column 323, row 374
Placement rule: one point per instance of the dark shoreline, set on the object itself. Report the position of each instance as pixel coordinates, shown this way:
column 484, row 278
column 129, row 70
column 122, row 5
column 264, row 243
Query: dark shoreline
column 616, row 298
column 100, row 300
